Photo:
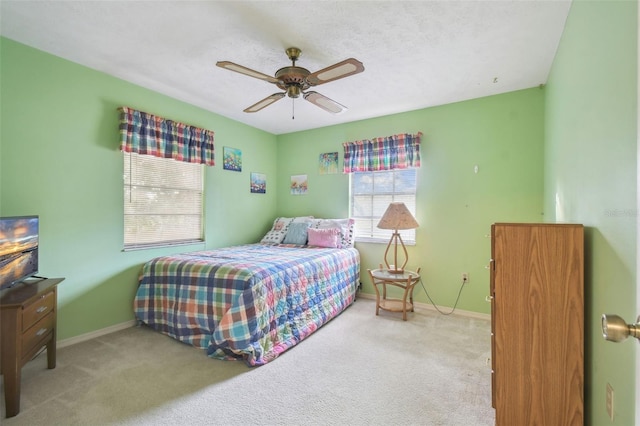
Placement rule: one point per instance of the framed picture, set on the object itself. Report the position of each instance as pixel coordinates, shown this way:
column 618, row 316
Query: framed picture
column 232, row 159
column 299, row 185
column 328, row 163
column 258, row 183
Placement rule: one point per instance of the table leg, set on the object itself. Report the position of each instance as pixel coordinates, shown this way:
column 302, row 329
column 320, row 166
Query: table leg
column 404, row 302
column 51, row 353
column 375, row 287
column 411, row 297
column 12, row 389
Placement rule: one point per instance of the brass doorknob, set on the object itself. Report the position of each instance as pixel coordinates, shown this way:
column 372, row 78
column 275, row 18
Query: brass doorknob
column 616, row 329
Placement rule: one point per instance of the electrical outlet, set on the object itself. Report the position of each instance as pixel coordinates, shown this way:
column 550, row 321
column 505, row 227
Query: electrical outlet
column 610, row 401
column 465, row 277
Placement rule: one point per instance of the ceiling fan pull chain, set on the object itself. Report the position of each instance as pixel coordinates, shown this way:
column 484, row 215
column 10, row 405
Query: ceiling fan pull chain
column 293, row 109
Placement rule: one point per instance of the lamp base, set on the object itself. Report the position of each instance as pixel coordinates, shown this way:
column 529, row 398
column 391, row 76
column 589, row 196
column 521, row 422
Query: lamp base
column 392, row 267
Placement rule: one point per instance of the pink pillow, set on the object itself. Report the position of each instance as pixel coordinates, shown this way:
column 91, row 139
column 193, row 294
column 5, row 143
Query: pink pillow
column 329, row 237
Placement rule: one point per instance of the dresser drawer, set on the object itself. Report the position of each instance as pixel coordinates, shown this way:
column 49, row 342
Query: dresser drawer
column 39, row 333
column 37, row 310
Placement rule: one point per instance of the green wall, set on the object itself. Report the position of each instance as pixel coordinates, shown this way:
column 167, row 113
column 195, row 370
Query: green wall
column 60, row 159
column 590, row 177
column 501, row 134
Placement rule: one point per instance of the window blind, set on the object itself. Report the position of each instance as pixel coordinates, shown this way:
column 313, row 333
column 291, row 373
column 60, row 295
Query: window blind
column 163, row 201
column 371, row 193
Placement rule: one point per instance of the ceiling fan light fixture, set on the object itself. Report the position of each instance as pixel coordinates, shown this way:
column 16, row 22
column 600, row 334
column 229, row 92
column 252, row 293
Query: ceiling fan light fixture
column 294, row 91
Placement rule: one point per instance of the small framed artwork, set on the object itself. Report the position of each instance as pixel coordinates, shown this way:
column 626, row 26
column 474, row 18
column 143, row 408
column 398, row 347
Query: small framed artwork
column 328, row 163
column 299, row 185
column 258, row 183
column 232, row 159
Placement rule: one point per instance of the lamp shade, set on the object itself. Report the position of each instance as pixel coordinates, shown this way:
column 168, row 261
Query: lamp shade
column 397, row 216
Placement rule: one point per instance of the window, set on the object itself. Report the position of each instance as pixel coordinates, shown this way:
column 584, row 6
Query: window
column 163, row 201
column 371, row 193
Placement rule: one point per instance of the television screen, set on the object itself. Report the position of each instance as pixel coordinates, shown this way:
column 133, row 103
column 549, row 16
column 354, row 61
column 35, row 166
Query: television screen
column 18, row 249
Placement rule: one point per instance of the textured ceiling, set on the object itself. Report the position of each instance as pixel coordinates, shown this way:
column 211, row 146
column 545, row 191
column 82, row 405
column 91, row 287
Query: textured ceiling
column 416, row 54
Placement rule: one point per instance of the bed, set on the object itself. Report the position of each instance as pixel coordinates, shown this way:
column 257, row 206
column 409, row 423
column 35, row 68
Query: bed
column 251, row 302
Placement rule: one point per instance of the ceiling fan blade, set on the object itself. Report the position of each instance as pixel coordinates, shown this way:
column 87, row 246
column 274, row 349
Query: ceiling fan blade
column 325, row 103
column 265, row 102
column 340, row 70
column 246, row 71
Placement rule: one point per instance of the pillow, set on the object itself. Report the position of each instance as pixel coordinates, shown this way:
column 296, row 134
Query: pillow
column 329, row 237
column 297, row 233
column 278, row 231
column 345, row 226
column 280, row 226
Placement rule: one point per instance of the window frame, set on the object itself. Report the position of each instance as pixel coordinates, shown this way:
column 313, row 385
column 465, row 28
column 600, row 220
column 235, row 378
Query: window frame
column 409, row 235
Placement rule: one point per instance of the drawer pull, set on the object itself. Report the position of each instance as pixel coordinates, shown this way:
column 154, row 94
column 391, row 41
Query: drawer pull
column 41, row 332
column 41, row 309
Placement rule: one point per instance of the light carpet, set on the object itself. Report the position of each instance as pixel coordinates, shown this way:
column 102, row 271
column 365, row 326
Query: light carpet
column 359, row 369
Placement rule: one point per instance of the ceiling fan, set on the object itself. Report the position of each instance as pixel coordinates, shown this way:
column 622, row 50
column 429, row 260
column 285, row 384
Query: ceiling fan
column 296, row 80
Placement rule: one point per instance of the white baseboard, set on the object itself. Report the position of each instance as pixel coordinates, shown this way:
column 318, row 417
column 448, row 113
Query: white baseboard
column 430, row 307
column 92, row 335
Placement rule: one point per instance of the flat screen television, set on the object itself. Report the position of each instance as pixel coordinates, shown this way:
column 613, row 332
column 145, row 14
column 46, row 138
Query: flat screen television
column 18, row 249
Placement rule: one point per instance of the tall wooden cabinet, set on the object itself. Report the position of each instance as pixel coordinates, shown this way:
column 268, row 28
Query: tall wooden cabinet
column 537, row 324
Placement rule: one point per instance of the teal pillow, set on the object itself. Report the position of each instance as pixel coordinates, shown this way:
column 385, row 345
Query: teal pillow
column 296, row 234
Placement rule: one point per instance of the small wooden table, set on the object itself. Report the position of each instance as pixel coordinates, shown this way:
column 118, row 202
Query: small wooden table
column 406, row 281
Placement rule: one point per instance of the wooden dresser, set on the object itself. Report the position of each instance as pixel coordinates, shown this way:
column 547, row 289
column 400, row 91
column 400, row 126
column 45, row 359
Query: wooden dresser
column 28, row 324
column 537, row 324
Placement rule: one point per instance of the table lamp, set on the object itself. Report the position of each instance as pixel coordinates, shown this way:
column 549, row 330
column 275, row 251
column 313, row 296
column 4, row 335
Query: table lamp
column 397, row 217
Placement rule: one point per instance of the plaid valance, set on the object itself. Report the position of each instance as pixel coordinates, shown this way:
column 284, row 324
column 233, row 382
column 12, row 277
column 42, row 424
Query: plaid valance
column 385, row 153
column 148, row 134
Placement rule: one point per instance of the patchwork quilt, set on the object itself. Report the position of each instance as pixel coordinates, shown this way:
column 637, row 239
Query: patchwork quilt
column 249, row 302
